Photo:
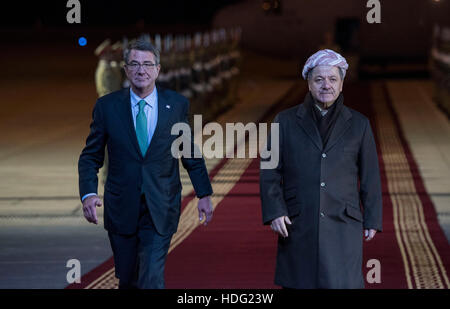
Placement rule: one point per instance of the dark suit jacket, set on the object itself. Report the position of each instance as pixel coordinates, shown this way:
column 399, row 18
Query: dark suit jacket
column 320, row 189
column 129, row 173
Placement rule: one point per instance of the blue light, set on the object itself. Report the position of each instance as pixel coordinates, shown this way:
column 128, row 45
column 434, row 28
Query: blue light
column 82, row 41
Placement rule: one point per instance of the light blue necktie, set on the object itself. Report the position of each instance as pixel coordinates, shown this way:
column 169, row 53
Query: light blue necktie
column 141, row 128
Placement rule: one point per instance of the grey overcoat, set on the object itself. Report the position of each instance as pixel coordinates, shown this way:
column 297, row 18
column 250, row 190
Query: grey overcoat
column 330, row 195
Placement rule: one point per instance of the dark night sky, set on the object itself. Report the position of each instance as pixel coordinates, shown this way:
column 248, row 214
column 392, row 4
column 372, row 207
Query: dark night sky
column 107, row 13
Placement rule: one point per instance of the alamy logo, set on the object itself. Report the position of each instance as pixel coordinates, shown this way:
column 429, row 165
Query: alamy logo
column 74, row 274
column 74, row 14
column 219, row 145
column 374, row 274
column 374, row 14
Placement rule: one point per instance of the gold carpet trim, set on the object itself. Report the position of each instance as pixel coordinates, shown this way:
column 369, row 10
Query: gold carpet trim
column 422, row 263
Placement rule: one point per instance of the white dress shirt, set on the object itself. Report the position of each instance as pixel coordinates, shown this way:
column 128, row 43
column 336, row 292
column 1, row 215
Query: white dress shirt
column 151, row 112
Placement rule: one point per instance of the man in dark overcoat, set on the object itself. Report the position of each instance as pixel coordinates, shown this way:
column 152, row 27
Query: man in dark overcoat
column 325, row 192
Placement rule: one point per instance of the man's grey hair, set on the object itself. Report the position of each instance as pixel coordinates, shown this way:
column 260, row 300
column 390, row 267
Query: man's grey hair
column 143, row 45
column 341, row 73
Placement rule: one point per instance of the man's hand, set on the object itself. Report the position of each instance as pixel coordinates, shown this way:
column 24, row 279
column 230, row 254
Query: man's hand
column 90, row 213
column 369, row 234
column 278, row 225
column 205, row 208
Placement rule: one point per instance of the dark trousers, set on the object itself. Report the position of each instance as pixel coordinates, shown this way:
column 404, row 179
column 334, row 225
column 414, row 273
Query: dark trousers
column 140, row 258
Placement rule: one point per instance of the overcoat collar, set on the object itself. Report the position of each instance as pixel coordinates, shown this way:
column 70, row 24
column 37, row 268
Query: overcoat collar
column 308, row 124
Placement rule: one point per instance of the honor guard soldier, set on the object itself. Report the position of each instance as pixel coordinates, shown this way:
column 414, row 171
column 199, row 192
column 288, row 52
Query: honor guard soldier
column 106, row 78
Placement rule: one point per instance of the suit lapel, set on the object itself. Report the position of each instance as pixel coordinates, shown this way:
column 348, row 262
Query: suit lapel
column 164, row 110
column 341, row 125
column 125, row 114
column 309, row 126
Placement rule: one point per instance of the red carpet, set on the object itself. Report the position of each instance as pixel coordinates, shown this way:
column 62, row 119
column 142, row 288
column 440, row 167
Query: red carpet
column 234, row 251
column 384, row 246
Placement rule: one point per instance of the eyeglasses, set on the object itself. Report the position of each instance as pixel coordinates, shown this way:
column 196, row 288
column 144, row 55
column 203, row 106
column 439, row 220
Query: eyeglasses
column 134, row 66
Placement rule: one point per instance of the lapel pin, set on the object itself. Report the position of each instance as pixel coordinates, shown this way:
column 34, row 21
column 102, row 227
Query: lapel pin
column 168, row 106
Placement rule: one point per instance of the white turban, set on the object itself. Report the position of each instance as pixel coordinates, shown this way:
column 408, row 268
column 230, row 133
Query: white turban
column 325, row 57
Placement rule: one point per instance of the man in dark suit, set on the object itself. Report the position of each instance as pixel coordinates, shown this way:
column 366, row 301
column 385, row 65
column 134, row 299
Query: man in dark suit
column 327, row 166
column 143, row 189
